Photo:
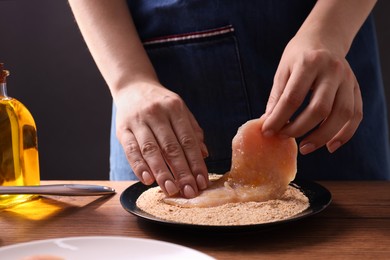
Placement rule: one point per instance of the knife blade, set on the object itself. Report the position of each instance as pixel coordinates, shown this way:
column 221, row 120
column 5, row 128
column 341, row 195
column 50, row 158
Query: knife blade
column 59, row 189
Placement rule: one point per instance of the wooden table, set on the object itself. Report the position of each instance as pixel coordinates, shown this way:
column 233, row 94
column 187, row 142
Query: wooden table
column 355, row 226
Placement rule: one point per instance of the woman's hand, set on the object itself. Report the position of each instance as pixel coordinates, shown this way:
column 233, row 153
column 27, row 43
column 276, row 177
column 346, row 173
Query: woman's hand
column 313, row 65
column 161, row 139
column 334, row 111
column 160, row 136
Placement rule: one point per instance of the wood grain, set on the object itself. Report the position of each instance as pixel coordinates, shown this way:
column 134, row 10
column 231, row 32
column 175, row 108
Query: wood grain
column 356, row 225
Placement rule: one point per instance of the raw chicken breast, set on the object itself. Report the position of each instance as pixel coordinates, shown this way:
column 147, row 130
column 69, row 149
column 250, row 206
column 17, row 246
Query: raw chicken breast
column 262, row 168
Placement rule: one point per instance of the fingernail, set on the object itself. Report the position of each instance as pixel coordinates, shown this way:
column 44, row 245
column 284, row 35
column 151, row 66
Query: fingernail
column 147, row 178
column 334, row 146
column 268, row 133
column 189, row 192
column 307, row 148
column 201, row 181
column 170, row 187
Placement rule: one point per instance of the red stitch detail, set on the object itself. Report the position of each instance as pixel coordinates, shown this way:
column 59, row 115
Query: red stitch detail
column 193, row 35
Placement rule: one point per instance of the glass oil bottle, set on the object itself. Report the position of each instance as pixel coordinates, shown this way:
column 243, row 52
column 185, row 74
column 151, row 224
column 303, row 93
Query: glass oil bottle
column 19, row 164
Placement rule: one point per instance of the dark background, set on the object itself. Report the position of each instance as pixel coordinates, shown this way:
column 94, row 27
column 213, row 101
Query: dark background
column 54, row 75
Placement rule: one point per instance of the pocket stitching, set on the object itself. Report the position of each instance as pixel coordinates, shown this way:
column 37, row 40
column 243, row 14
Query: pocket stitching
column 190, row 36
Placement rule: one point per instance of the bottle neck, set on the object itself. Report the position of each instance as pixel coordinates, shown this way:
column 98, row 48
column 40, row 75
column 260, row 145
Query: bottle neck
column 3, row 83
column 3, row 90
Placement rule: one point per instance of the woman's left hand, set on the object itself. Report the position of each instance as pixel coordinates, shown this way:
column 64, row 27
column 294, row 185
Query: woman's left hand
column 335, row 108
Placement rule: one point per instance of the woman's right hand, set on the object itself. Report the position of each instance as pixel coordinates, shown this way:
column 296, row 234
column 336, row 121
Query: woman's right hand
column 161, row 139
column 160, row 136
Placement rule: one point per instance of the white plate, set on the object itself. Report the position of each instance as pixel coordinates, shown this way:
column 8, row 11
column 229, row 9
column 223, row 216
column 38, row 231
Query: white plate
column 99, row 248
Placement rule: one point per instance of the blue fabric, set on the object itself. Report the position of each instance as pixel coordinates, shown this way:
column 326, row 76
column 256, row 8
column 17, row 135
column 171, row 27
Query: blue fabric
column 226, row 79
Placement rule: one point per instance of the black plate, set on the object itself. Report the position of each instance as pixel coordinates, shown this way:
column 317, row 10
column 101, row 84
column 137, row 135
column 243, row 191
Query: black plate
column 319, row 198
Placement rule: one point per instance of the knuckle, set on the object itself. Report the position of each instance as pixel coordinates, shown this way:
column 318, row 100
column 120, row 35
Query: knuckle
column 132, row 152
column 348, row 74
column 181, row 175
column 313, row 57
column 346, row 112
column 149, row 148
column 171, row 150
column 279, row 77
column 166, row 103
column 337, row 66
column 174, row 102
column 151, row 109
column 358, row 115
column 187, row 142
column 321, row 109
column 130, row 148
column 273, row 99
column 293, row 99
column 324, row 57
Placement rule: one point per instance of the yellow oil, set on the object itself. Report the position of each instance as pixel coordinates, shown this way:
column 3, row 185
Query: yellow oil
column 19, row 164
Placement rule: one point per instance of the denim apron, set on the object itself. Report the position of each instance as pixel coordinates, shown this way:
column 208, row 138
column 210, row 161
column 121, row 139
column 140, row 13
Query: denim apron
column 221, row 57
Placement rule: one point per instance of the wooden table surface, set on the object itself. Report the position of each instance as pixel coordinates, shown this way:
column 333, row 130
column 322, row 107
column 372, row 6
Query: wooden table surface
column 355, row 226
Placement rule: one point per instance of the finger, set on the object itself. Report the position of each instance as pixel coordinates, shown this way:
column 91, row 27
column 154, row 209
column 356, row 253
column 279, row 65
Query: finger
column 199, row 133
column 150, row 151
column 346, row 133
column 341, row 113
column 281, row 77
column 171, row 146
column 322, row 100
column 297, row 87
column 134, row 157
column 190, row 145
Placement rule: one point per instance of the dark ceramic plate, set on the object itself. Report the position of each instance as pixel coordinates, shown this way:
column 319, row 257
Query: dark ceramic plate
column 319, row 198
